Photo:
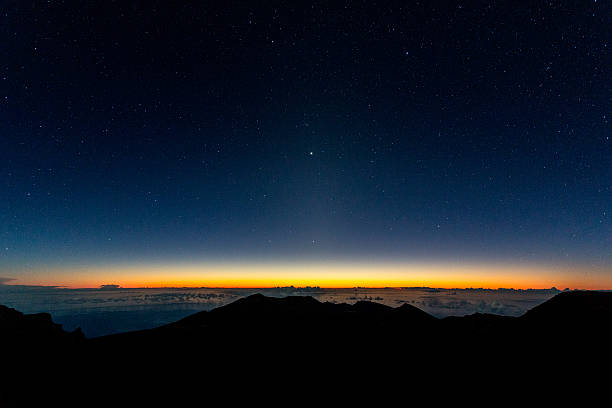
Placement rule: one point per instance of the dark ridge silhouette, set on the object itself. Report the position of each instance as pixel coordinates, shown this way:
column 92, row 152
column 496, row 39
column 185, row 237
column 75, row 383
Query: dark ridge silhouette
column 289, row 320
column 264, row 322
column 574, row 307
column 261, row 309
column 19, row 330
column 260, row 342
column 260, row 324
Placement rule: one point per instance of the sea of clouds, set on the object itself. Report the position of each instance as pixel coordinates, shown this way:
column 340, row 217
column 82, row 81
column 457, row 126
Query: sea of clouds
column 111, row 309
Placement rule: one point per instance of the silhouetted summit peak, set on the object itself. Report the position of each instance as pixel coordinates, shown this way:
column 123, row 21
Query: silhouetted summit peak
column 261, row 303
column 413, row 312
column 260, row 321
column 365, row 306
column 573, row 307
column 33, row 329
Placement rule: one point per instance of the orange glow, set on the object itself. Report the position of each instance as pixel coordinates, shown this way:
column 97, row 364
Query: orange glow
column 323, row 274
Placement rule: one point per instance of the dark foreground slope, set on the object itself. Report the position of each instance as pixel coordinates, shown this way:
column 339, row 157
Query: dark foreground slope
column 569, row 317
column 295, row 325
column 32, row 331
column 302, row 323
column 267, row 343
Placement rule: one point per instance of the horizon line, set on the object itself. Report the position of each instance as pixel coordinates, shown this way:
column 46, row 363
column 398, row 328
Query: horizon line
column 119, row 287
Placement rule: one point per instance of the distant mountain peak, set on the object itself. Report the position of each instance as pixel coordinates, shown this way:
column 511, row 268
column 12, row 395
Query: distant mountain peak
column 34, row 329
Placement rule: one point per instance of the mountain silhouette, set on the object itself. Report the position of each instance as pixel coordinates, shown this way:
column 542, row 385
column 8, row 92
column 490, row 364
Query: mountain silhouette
column 574, row 307
column 295, row 310
column 260, row 342
column 573, row 313
column 26, row 330
column 283, row 326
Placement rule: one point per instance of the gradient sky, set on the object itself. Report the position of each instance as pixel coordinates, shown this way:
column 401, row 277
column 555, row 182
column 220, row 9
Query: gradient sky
column 425, row 143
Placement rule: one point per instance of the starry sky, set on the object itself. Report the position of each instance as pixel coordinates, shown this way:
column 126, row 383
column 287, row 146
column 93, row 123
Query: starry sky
column 350, row 142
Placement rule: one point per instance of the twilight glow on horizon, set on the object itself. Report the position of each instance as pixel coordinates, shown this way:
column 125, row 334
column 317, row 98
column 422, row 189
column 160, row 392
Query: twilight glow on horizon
column 230, row 146
column 329, row 275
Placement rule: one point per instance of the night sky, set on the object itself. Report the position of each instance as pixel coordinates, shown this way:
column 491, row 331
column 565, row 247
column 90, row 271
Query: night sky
column 170, row 136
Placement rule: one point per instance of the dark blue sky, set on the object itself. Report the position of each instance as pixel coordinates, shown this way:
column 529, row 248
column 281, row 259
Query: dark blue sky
column 150, row 131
